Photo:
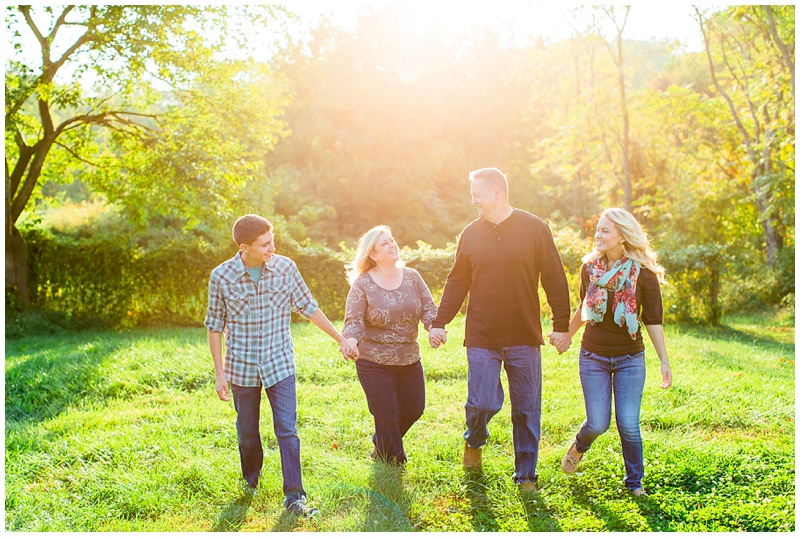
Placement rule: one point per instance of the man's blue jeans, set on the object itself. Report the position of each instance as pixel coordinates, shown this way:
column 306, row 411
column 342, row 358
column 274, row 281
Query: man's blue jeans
column 283, row 400
column 624, row 375
column 523, row 365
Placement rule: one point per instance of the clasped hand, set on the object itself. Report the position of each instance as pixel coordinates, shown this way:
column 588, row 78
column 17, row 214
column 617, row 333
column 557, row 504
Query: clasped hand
column 561, row 341
column 437, row 336
column 349, row 349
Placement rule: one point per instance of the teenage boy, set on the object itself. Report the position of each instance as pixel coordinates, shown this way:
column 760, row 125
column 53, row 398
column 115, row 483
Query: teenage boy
column 250, row 298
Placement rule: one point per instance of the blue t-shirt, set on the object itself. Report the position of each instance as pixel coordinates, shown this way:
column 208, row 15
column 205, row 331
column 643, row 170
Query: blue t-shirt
column 255, row 272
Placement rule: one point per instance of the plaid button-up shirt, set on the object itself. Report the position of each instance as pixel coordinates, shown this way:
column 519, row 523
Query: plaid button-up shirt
column 256, row 318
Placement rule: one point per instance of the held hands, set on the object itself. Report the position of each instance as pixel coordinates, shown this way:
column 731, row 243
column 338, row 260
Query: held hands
column 561, row 341
column 437, row 336
column 349, row 349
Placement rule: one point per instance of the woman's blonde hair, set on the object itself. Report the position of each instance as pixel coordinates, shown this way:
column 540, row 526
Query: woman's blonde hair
column 636, row 245
column 366, row 244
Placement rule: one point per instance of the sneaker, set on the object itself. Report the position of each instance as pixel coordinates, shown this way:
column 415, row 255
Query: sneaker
column 527, row 487
column 472, row 456
column 570, row 461
column 299, row 508
column 639, row 493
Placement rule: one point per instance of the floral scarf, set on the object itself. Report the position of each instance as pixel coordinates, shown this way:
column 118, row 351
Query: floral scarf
column 620, row 278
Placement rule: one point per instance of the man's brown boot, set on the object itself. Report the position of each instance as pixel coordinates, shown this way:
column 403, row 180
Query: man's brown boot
column 472, row 456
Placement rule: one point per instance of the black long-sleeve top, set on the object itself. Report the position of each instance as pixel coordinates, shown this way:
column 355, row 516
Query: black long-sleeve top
column 500, row 266
column 607, row 338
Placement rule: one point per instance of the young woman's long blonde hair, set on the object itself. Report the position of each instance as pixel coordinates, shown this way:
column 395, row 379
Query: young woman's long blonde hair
column 366, row 244
column 636, row 245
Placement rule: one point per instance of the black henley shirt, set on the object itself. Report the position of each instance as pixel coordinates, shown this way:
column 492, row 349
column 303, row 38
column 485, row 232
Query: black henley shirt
column 500, row 266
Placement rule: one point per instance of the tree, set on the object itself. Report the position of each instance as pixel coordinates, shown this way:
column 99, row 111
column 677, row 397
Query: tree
column 619, row 61
column 175, row 112
column 387, row 121
column 753, row 72
column 587, row 147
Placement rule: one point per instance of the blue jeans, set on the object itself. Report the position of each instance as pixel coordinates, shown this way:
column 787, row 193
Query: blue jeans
column 283, row 400
column 396, row 399
column 523, row 366
column 625, row 376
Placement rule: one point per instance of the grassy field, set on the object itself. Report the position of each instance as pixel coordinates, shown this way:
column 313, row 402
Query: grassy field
column 122, row 431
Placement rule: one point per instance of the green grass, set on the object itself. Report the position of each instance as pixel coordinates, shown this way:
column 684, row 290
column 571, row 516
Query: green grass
column 122, row 431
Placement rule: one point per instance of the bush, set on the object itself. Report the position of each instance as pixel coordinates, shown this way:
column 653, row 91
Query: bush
column 162, row 278
column 21, row 323
column 694, row 273
column 323, row 271
column 706, row 281
column 433, row 264
column 572, row 249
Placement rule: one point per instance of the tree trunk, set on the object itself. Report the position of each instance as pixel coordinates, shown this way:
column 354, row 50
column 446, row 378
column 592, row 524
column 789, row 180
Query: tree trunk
column 16, row 264
column 714, row 308
column 761, row 164
column 626, row 167
column 18, row 193
column 772, row 238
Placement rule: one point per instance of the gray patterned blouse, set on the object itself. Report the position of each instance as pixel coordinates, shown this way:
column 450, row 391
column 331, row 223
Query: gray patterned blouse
column 385, row 322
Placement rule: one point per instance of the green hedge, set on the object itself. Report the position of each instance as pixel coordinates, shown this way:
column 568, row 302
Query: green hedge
column 113, row 280
column 119, row 283
column 116, row 281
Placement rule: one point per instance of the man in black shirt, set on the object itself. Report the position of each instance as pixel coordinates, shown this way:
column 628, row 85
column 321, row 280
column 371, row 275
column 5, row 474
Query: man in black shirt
column 500, row 259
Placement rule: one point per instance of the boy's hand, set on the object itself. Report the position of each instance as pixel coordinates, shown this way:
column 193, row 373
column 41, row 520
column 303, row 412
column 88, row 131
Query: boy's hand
column 349, row 349
column 222, row 389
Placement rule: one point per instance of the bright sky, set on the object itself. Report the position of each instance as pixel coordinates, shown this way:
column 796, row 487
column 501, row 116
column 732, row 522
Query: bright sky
column 646, row 20
column 522, row 20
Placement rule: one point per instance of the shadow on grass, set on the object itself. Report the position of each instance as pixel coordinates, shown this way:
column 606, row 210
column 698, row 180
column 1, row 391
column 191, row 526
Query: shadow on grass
column 649, row 508
column 480, row 510
column 58, row 372
column 286, row 522
column 722, row 332
column 46, row 375
column 388, row 505
column 234, row 514
column 540, row 516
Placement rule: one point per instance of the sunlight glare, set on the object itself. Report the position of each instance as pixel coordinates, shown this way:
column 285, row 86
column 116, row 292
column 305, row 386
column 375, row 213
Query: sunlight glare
column 520, row 23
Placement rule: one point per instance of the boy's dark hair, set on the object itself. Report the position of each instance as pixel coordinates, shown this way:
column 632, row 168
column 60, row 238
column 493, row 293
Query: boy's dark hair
column 250, row 227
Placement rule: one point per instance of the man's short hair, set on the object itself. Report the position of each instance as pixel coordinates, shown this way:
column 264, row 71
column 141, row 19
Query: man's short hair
column 493, row 176
column 249, row 227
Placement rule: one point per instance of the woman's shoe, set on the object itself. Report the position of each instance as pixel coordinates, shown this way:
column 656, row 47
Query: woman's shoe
column 570, row 461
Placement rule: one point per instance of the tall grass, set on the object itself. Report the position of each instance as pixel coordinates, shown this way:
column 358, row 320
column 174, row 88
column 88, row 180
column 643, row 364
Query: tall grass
column 122, row 431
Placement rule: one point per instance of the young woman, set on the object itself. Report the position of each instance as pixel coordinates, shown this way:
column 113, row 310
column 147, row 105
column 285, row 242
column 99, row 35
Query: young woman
column 620, row 289
column 384, row 307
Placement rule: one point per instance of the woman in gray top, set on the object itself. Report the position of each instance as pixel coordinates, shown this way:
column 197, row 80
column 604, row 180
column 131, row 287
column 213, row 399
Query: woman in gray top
column 384, row 307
